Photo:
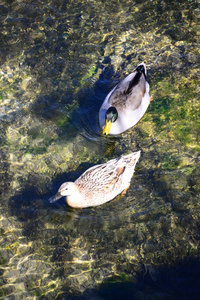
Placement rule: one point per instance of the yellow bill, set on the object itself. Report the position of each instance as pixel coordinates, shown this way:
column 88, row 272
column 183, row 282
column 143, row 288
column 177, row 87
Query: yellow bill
column 107, row 127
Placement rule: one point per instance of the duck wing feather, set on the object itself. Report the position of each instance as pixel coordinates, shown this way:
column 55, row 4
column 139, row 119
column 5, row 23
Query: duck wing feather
column 101, row 178
column 129, row 92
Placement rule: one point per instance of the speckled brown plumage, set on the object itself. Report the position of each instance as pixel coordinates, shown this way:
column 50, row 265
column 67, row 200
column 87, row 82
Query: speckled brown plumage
column 100, row 183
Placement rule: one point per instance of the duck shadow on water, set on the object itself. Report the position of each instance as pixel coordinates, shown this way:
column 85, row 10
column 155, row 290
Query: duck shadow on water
column 31, row 205
column 73, row 120
column 85, row 118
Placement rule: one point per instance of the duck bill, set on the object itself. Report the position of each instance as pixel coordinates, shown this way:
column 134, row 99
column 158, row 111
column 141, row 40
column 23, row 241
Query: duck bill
column 137, row 155
column 107, row 127
column 55, row 198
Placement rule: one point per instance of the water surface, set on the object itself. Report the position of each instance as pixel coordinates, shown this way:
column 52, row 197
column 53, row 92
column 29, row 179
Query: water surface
column 58, row 62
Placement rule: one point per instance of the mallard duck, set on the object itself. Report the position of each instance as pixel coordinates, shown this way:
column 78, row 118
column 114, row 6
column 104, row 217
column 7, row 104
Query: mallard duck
column 125, row 105
column 100, row 183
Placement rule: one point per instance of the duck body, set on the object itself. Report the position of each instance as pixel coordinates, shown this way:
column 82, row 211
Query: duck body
column 100, row 183
column 129, row 100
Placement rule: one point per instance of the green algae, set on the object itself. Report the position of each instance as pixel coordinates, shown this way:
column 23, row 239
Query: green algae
column 175, row 110
column 118, row 278
column 88, row 75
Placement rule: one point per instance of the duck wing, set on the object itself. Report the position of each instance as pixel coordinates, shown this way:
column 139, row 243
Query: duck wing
column 101, row 178
column 129, row 92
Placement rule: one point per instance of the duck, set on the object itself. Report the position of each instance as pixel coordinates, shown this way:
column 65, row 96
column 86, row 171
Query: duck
column 100, row 183
column 126, row 103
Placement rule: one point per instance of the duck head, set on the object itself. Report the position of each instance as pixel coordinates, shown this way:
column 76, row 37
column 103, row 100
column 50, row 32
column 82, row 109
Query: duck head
column 111, row 116
column 142, row 69
column 65, row 190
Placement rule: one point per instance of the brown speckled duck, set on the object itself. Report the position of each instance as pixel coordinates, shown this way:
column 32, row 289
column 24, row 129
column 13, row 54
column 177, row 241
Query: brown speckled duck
column 100, row 183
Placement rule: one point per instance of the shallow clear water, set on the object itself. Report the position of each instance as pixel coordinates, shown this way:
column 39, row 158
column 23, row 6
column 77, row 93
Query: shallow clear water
column 58, row 62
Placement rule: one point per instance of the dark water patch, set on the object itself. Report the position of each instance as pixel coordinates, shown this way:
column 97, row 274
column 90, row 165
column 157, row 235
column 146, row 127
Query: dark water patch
column 172, row 282
column 179, row 281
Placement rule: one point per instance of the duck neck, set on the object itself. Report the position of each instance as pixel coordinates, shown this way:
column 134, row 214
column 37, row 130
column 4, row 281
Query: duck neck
column 76, row 199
